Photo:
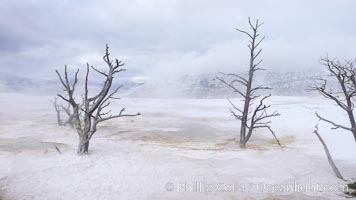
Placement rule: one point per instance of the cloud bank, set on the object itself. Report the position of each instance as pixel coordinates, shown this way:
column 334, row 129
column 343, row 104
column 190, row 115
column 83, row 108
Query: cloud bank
column 167, row 38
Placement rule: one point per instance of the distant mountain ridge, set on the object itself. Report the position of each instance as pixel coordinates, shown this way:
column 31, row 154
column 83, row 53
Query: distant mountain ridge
column 207, row 86
column 13, row 83
column 187, row 86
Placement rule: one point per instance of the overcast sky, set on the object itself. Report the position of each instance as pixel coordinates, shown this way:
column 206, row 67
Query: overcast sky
column 158, row 38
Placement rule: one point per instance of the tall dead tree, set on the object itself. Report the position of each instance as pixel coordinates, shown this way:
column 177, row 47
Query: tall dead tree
column 345, row 95
column 93, row 110
column 251, row 118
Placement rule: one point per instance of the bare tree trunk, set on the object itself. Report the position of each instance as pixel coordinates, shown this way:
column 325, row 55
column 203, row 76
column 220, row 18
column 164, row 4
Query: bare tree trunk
column 330, row 159
column 353, row 123
column 252, row 67
column 83, row 146
column 59, row 122
column 243, row 140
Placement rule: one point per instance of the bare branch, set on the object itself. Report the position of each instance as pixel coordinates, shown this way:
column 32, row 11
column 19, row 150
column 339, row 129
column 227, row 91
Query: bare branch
column 260, row 88
column 255, row 56
column 100, row 72
column 237, row 76
column 336, row 126
column 233, row 105
column 259, row 42
column 272, row 132
column 62, row 97
column 231, row 86
column 118, row 115
column 244, row 32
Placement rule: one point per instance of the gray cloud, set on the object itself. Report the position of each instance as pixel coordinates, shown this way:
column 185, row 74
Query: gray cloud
column 170, row 37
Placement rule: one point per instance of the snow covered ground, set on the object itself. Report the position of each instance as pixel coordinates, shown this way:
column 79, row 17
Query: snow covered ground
column 177, row 149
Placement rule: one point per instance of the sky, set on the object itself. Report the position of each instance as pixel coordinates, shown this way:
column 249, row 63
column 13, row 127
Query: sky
column 169, row 38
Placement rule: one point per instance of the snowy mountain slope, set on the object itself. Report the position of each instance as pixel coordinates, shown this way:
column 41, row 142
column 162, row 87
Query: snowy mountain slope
column 13, row 83
column 207, row 86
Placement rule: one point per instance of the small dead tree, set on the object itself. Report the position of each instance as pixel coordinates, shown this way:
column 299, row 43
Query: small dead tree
column 88, row 114
column 67, row 110
column 59, row 108
column 328, row 155
column 257, row 117
column 345, row 97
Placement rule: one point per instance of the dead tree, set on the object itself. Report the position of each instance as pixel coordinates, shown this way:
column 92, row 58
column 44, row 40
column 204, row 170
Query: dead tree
column 345, row 74
column 59, row 108
column 330, row 159
column 251, row 118
column 88, row 114
column 67, row 110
